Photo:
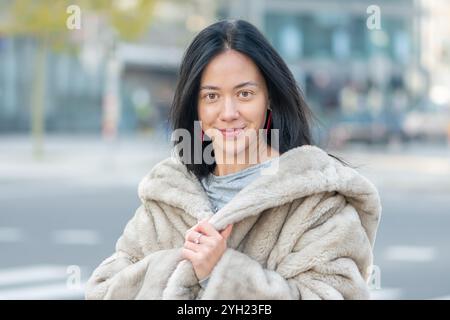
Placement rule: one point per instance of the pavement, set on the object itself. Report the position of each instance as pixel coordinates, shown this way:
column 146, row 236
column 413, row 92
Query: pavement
column 60, row 216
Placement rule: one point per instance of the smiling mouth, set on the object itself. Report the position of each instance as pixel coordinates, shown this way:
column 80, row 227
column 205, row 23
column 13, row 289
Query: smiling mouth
column 232, row 132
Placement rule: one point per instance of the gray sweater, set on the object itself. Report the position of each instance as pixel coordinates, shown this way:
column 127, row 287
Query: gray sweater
column 221, row 189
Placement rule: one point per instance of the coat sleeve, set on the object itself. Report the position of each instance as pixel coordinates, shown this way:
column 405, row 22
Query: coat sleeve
column 329, row 261
column 131, row 273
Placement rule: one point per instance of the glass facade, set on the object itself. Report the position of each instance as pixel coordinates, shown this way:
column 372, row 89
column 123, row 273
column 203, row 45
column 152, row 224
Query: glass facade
column 73, row 92
column 336, row 36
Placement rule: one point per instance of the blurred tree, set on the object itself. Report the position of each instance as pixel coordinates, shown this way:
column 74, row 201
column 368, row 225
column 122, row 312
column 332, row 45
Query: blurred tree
column 45, row 21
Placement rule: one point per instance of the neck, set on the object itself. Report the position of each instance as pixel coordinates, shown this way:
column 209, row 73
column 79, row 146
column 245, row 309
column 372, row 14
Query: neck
column 240, row 161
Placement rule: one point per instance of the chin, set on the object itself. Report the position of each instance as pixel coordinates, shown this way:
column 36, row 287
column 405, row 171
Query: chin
column 233, row 150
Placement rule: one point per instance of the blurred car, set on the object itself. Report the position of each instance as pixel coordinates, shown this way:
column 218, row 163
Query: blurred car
column 363, row 127
column 427, row 124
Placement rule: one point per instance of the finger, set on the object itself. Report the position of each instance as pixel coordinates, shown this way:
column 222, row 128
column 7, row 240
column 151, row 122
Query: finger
column 187, row 254
column 192, row 246
column 191, row 236
column 187, row 232
column 207, row 228
column 225, row 233
column 193, row 227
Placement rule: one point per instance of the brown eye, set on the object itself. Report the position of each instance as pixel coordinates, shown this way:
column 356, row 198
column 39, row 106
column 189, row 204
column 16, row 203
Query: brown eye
column 211, row 96
column 245, row 94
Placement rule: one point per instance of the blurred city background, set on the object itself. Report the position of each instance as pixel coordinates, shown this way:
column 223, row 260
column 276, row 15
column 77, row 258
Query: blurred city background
column 83, row 117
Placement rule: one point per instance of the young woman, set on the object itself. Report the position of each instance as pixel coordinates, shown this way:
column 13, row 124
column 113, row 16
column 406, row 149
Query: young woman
column 293, row 223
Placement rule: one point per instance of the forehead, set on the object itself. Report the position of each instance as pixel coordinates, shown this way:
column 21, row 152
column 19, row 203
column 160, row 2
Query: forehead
column 230, row 68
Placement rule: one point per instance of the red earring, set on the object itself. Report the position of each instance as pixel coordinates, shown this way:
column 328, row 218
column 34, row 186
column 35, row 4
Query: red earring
column 269, row 119
column 202, row 135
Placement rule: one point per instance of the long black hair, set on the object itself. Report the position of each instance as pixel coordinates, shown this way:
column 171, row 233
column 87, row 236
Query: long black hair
column 290, row 113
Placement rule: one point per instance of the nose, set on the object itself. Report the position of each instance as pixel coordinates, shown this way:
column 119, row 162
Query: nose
column 229, row 110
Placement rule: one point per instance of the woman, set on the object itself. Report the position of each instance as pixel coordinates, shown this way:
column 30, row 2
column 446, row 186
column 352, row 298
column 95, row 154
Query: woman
column 294, row 223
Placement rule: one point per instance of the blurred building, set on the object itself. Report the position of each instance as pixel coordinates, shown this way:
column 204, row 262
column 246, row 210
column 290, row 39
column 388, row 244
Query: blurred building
column 348, row 71
column 80, row 86
column 364, row 78
column 435, row 35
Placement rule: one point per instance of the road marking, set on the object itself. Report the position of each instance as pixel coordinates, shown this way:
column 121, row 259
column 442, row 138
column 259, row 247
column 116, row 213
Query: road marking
column 32, row 273
column 52, row 291
column 441, row 298
column 41, row 282
column 8, row 234
column 410, row 253
column 76, row 237
column 385, row 294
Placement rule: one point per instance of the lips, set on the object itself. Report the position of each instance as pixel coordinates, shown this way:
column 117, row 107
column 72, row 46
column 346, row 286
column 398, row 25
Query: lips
column 231, row 132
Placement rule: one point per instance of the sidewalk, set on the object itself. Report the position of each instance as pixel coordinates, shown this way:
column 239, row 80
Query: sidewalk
column 83, row 159
column 88, row 159
column 413, row 167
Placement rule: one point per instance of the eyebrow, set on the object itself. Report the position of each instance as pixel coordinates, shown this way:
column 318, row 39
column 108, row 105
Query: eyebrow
column 243, row 84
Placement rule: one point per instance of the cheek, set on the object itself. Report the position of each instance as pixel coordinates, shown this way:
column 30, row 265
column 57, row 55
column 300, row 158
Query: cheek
column 254, row 117
column 206, row 115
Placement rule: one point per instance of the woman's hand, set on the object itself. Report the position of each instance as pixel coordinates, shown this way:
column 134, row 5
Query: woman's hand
column 205, row 255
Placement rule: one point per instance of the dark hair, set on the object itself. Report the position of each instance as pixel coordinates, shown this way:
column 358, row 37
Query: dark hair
column 290, row 113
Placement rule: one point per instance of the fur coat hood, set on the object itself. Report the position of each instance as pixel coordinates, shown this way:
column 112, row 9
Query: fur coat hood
column 305, row 232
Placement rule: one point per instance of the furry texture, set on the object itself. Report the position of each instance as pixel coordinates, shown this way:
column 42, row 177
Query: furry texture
column 305, row 233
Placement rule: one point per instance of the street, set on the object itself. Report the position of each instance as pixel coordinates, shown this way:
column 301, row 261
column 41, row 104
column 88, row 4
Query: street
column 70, row 208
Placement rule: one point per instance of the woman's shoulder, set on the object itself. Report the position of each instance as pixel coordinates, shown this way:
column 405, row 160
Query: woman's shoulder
column 317, row 170
column 167, row 168
column 169, row 182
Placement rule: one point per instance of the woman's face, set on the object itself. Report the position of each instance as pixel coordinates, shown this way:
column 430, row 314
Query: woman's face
column 232, row 102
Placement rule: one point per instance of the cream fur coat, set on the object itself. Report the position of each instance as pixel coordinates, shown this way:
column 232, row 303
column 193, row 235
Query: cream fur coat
column 306, row 232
